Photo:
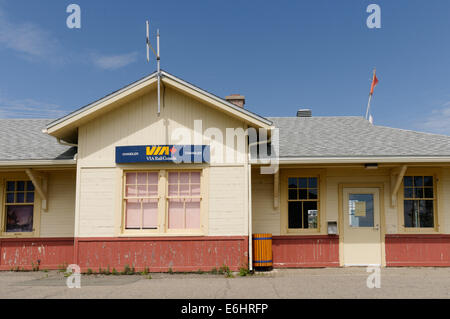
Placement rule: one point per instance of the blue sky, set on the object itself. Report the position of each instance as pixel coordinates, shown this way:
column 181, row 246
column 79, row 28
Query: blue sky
column 282, row 55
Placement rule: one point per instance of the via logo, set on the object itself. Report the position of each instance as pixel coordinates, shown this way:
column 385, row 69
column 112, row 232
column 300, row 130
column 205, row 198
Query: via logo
column 74, row 280
column 374, row 279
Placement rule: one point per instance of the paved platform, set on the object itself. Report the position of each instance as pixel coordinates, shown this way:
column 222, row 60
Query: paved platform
column 288, row 283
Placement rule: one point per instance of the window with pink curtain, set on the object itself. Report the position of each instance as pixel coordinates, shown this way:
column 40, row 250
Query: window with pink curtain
column 184, row 200
column 141, row 200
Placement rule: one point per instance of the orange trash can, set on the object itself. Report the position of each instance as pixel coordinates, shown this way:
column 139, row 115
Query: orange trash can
column 262, row 251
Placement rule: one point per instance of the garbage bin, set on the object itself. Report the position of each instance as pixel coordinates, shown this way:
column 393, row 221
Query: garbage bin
column 262, row 252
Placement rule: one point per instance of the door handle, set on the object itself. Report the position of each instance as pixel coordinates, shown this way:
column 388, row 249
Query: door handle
column 377, row 227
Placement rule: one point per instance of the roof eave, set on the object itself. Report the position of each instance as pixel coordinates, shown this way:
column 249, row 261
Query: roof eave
column 359, row 160
column 28, row 163
column 69, row 122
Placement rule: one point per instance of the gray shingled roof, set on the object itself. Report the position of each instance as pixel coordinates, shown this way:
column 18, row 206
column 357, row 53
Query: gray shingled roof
column 353, row 137
column 22, row 139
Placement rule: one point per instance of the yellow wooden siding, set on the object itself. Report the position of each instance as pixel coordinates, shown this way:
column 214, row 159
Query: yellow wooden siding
column 445, row 200
column 227, row 201
column 59, row 219
column 336, row 176
column 97, row 202
column 266, row 219
column 136, row 123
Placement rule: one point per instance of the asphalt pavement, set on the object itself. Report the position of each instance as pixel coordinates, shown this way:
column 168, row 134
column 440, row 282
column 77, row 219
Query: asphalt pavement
column 287, row 283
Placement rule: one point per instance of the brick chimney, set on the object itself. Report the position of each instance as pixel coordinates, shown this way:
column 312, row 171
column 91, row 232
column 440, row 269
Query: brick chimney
column 236, row 99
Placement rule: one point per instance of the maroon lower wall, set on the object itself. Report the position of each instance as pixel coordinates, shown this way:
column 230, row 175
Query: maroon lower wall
column 24, row 253
column 206, row 253
column 417, row 250
column 162, row 253
column 305, row 251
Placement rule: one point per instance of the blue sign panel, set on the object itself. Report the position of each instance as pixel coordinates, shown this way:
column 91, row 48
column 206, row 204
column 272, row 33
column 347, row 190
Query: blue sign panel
column 163, row 153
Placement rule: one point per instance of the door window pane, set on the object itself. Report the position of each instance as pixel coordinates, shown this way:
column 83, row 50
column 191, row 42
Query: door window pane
column 361, row 210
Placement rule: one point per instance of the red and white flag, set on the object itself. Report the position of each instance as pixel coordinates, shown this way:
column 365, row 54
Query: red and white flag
column 372, row 87
column 374, row 82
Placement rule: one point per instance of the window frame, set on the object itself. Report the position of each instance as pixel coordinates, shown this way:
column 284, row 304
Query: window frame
column 35, row 204
column 163, row 207
column 167, row 198
column 401, row 203
column 124, row 199
column 284, row 206
column 317, row 200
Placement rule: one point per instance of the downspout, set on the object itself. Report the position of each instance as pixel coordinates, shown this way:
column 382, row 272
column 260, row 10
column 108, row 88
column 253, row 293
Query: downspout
column 250, row 215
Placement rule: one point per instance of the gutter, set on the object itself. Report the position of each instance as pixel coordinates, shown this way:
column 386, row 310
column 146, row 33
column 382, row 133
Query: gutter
column 61, row 142
column 28, row 163
column 359, row 160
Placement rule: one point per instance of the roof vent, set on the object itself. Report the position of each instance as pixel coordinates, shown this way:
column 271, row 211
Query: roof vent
column 304, row 113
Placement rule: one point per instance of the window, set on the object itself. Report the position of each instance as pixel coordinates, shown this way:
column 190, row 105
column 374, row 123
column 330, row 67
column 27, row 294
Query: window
column 141, row 200
column 143, row 209
column 19, row 206
column 184, row 200
column 419, row 198
column 303, row 202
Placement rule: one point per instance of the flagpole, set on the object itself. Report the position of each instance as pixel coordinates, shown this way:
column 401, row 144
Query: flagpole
column 368, row 106
column 370, row 94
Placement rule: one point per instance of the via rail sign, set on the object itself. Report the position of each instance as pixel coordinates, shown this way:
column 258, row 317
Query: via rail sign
column 163, row 153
